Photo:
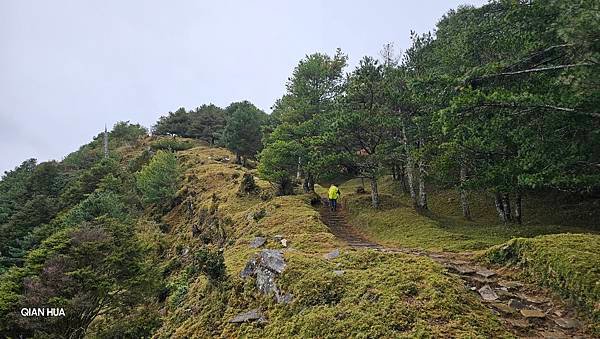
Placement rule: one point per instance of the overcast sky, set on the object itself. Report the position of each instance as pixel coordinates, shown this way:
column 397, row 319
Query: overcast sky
column 69, row 67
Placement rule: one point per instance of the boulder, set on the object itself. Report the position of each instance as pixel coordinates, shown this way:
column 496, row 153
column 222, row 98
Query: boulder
column 463, row 269
column 485, row 273
column 265, row 266
column 333, row 254
column 258, row 242
column 487, row 293
column 516, row 304
column 532, row 313
column 566, row 323
column 244, row 317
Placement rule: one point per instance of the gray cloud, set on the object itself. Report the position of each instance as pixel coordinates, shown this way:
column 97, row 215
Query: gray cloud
column 69, row 67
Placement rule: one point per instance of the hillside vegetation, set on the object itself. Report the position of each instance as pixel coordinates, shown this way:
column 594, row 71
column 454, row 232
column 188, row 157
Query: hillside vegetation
column 376, row 295
column 482, row 136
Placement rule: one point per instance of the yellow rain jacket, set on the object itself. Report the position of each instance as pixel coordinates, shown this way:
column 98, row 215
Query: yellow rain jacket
column 334, row 192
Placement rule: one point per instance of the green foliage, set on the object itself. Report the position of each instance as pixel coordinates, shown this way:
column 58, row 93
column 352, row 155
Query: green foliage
column 159, row 180
column 13, row 188
column 243, row 130
column 277, row 161
column 172, row 144
column 210, row 263
column 205, row 122
column 298, row 117
column 124, row 132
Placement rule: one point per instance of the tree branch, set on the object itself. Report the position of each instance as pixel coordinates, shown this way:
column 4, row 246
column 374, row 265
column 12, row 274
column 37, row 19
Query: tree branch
column 526, row 71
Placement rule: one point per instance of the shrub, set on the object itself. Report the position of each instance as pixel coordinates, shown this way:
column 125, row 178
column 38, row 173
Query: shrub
column 211, row 264
column 158, row 181
column 172, row 144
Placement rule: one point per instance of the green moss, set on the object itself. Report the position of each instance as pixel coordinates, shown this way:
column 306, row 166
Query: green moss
column 567, row 263
column 378, row 295
column 443, row 228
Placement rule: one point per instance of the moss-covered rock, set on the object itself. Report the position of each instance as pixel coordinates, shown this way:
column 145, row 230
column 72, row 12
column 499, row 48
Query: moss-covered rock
column 567, row 263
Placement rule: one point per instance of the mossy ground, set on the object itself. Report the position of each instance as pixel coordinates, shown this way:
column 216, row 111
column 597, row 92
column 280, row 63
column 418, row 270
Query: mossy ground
column 396, row 223
column 378, row 295
column 567, row 263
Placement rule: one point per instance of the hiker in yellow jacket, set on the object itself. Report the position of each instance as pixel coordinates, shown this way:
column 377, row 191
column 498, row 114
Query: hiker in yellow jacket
column 334, row 194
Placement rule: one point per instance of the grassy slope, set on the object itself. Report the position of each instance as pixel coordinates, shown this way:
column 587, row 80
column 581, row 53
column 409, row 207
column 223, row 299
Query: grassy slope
column 443, row 228
column 378, row 295
column 568, row 263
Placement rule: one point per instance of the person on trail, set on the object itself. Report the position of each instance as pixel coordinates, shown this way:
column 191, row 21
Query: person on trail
column 334, row 194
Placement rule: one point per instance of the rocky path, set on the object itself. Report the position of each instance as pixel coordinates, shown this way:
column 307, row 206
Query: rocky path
column 527, row 310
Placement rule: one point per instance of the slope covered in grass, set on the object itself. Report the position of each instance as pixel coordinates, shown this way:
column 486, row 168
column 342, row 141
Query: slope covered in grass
column 396, row 223
column 358, row 294
column 567, row 263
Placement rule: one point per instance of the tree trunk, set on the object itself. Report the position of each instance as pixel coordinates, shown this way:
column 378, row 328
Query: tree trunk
column 374, row 193
column 506, row 206
column 238, row 159
column 309, row 183
column 518, row 208
column 402, row 178
column 464, row 200
column 286, row 187
column 499, row 207
column 409, row 168
column 422, row 192
column 298, row 174
column 394, row 175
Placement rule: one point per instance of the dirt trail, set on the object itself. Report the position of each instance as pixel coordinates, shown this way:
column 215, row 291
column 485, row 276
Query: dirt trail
column 526, row 310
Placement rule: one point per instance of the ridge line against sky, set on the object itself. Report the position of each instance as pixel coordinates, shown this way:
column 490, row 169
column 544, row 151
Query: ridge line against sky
column 69, row 67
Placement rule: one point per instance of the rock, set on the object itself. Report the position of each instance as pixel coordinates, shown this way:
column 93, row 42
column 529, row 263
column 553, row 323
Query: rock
column 339, row 272
column 283, row 242
column 251, row 315
column 265, row 266
column 278, row 237
column 518, row 323
column 516, row 304
column 511, row 285
column 566, row 323
column 505, row 295
column 464, row 269
column 532, row 299
column 249, row 269
column 185, row 251
column 333, row 254
column 532, row 313
column 272, row 260
column 503, row 308
column 479, row 279
column 285, row 299
column 554, row 335
column 485, row 273
column 487, row 293
column 258, row 242
column 265, row 281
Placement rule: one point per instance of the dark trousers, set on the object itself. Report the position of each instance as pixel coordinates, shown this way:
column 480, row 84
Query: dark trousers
column 333, row 204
